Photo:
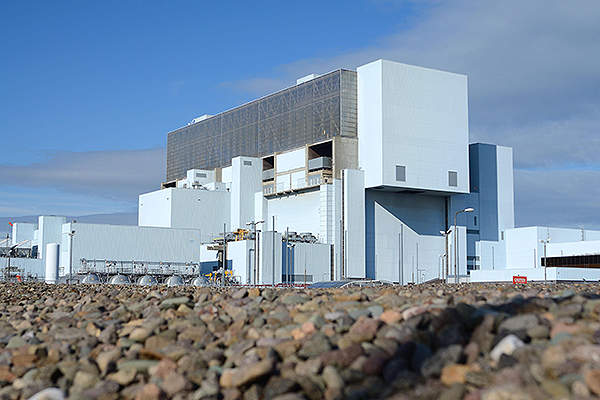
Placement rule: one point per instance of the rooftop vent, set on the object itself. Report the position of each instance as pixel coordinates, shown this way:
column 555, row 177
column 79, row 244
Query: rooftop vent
column 306, row 78
column 200, row 118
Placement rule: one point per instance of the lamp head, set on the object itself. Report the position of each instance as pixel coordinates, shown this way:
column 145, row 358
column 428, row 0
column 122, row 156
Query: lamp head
column 469, row 209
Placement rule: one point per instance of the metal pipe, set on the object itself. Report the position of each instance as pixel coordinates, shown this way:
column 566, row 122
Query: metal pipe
column 273, row 265
column 224, row 254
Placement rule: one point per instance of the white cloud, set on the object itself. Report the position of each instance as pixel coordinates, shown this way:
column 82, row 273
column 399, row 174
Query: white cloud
column 116, row 175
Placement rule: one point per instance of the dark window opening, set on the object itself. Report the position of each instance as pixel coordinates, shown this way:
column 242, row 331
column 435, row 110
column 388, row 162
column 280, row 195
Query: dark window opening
column 452, row 178
column 400, row 173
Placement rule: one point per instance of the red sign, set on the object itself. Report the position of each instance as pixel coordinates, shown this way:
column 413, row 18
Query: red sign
column 519, row 279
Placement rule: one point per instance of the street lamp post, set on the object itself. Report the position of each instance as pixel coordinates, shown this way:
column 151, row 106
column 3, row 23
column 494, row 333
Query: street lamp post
column 445, row 235
column 71, row 234
column 545, row 242
column 466, row 210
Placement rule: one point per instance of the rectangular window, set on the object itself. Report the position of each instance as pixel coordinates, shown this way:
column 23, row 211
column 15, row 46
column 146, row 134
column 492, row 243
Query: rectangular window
column 502, row 235
column 400, row 173
column 200, row 175
column 475, row 220
column 452, row 178
column 247, row 163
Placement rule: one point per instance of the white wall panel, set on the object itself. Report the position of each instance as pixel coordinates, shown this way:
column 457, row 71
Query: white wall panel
column 401, row 255
column 354, row 223
column 268, row 272
column 22, row 231
column 33, row 267
column 537, row 274
column 154, row 208
column 283, row 182
column 203, row 210
column 49, row 231
column 298, row 179
column 370, row 122
column 420, row 122
column 226, row 174
column 492, row 255
column 298, row 212
column 291, row 160
column 573, row 248
column 506, row 196
column 242, row 260
column 313, row 260
column 247, row 180
column 121, row 242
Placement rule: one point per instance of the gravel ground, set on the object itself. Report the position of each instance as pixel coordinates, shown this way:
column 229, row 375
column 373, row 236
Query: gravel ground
column 478, row 341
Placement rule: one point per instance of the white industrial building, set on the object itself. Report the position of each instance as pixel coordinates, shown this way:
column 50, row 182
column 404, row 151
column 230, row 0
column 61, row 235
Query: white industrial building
column 346, row 175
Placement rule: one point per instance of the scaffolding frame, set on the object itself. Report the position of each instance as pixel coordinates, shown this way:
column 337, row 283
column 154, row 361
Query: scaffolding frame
column 313, row 111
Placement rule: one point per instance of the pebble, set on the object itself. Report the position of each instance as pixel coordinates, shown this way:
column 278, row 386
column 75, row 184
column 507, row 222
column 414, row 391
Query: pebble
column 454, row 373
column 592, row 379
column 239, row 376
column 506, row 346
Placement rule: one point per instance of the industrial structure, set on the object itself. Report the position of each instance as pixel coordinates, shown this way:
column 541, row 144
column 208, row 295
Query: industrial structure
column 350, row 175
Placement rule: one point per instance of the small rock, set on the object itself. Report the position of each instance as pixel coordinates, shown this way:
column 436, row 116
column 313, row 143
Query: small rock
column 413, row 311
column 364, row 329
column 454, row 373
column 454, row 392
column 106, row 358
column 84, row 380
column 592, row 380
column 239, row 294
column 48, row 394
column 239, row 376
column 173, row 383
column 138, row 365
column 432, row 367
column 506, row 346
column 332, row 378
column 538, row 332
column 123, row 377
column 149, row 392
column 139, row 334
column 174, row 302
column 518, row 323
column 315, row 346
column 16, row 342
column 390, row 317
column 555, row 389
column 580, row 389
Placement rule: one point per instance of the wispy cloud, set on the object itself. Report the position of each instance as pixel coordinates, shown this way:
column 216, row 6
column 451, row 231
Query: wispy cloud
column 79, row 183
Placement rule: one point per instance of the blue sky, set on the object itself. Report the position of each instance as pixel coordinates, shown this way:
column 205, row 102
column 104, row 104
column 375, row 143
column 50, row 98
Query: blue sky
column 88, row 90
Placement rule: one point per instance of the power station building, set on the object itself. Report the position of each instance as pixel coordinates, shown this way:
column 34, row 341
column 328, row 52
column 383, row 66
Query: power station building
column 347, row 175
column 374, row 163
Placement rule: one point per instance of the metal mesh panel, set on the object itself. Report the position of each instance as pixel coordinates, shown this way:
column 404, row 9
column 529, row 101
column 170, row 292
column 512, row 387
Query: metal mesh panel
column 307, row 113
